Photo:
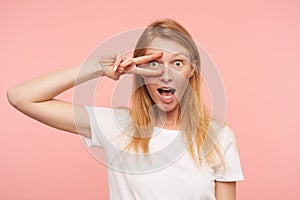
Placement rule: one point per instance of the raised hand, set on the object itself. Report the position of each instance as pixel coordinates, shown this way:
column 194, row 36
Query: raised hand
column 129, row 65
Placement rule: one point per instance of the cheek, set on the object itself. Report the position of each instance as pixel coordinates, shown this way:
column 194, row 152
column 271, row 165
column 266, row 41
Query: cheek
column 150, row 82
column 182, row 82
column 150, row 85
column 188, row 73
column 181, row 87
column 150, row 88
column 152, row 92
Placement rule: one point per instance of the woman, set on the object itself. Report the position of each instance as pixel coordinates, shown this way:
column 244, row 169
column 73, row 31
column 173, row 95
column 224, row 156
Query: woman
column 145, row 144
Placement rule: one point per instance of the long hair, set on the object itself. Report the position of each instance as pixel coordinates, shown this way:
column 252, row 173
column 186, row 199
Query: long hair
column 193, row 115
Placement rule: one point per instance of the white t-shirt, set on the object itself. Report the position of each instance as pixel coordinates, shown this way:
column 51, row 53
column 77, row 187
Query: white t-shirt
column 169, row 172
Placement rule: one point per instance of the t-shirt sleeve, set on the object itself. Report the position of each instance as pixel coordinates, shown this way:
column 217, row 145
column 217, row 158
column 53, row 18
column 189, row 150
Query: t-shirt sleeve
column 96, row 131
column 228, row 147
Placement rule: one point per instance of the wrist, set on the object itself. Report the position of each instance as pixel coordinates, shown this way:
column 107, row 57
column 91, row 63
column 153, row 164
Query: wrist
column 89, row 70
column 99, row 69
column 94, row 68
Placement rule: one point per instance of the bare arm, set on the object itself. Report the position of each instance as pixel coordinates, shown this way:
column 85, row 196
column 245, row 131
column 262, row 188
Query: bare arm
column 225, row 190
column 36, row 97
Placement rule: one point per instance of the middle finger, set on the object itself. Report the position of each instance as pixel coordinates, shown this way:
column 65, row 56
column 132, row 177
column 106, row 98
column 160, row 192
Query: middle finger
column 145, row 59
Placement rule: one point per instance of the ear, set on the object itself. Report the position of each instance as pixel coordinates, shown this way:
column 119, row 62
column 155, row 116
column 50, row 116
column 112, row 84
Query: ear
column 192, row 71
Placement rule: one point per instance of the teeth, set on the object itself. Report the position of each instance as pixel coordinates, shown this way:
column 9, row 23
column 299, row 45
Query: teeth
column 167, row 97
column 160, row 90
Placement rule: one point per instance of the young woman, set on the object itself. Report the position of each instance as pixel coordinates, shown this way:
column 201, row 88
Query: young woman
column 165, row 146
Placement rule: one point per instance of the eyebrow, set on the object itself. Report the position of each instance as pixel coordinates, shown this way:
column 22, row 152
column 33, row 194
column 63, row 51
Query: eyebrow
column 173, row 55
column 180, row 54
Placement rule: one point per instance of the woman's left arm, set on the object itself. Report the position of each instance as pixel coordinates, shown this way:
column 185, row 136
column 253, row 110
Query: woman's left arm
column 225, row 190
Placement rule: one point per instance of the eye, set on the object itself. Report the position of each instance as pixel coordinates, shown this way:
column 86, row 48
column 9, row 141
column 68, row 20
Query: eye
column 153, row 64
column 178, row 63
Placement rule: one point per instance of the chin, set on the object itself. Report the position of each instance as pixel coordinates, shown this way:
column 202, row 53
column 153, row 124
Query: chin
column 167, row 107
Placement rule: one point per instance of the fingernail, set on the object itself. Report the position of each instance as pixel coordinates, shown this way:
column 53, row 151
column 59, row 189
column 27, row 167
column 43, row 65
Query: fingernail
column 115, row 67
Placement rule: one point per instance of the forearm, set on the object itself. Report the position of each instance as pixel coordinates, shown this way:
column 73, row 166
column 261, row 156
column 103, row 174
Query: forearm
column 46, row 87
column 35, row 98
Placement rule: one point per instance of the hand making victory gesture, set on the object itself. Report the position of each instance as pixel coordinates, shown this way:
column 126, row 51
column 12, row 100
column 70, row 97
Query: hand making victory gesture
column 128, row 65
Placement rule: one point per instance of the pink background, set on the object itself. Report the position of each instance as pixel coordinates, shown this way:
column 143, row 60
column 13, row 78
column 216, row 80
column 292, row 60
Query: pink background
column 254, row 43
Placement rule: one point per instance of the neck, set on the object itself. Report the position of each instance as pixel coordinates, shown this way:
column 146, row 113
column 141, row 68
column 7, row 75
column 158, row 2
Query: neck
column 169, row 120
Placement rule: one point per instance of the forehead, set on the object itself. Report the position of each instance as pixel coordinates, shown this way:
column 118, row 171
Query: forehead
column 167, row 46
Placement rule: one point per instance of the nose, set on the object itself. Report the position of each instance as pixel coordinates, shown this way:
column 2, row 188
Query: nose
column 166, row 76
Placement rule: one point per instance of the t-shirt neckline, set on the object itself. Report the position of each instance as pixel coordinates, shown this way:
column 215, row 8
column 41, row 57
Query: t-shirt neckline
column 163, row 130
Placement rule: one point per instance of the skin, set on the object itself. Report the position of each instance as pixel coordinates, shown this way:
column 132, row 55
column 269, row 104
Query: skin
column 177, row 78
column 177, row 71
column 225, row 190
column 42, row 105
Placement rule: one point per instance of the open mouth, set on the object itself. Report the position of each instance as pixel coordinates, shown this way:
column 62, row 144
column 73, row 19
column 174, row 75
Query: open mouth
column 166, row 92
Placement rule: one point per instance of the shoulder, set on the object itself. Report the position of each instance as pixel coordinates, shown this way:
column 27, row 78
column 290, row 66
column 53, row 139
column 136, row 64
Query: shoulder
column 222, row 133
column 107, row 117
column 223, row 129
column 229, row 167
column 106, row 111
column 97, row 109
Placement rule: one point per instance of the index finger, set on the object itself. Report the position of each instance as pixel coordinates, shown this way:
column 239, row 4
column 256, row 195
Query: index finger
column 145, row 72
column 145, row 59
